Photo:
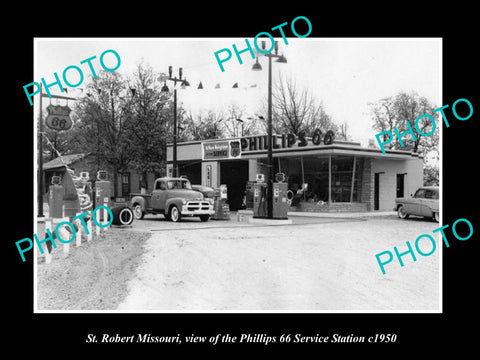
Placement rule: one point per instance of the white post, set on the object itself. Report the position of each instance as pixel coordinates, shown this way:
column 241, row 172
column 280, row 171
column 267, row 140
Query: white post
column 48, row 255
column 66, row 248
column 90, row 229
column 105, row 215
column 78, row 236
column 97, row 229
column 64, row 234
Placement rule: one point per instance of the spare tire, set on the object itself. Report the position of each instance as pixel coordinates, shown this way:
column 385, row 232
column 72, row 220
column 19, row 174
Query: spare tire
column 122, row 215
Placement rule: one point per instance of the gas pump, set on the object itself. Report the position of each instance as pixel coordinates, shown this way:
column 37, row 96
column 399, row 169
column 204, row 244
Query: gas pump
column 260, row 203
column 280, row 197
column 222, row 209
column 55, row 198
column 103, row 191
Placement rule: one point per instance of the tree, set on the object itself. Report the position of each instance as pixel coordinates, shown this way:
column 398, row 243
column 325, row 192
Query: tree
column 343, row 131
column 431, row 175
column 295, row 110
column 234, row 124
column 101, row 119
column 397, row 111
column 57, row 142
column 205, row 127
column 148, row 130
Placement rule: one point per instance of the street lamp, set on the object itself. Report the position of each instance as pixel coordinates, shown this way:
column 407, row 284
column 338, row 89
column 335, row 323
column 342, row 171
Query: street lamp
column 242, row 122
column 258, row 67
column 166, row 90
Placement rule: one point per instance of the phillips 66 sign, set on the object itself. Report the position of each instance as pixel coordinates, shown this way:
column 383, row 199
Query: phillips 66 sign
column 227, row 149
column 58, row 117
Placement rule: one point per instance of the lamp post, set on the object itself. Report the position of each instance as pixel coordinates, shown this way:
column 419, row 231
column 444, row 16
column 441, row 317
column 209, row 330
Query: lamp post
column 235, row 131
column 258, row 67
column 166, row 90
column 242, row 122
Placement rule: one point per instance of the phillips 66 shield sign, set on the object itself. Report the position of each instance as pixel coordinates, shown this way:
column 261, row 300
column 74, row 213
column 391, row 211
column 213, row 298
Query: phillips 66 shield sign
column 227, row 149
column 58, row 117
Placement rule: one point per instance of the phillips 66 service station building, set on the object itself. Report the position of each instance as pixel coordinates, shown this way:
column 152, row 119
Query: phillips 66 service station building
column 333, row 176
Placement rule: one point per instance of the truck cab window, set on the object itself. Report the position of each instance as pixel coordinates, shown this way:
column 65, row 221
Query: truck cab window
column 160, row 185
column 186, row 185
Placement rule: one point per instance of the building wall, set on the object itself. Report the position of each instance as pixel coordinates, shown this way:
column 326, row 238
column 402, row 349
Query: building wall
column 185, row 151
column 388, row 179
column 367, row 188
column 252, row 169
column 134, row 182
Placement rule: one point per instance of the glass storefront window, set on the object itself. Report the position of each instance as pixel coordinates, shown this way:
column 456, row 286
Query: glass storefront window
column 315, row 175
column 341, row 179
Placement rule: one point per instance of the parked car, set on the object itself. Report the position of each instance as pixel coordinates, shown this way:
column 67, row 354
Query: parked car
column 423, row 203
column 207, row 191
column 174, row 198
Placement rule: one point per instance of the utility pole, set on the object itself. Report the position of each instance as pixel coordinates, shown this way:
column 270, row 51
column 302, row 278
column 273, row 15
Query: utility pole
column 257, row 67
column 175, row 126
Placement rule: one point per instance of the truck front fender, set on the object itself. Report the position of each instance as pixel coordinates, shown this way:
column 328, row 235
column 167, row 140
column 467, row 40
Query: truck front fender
column 173, row 201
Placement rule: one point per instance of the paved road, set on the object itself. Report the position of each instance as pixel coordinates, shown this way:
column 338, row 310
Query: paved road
column 317, row 264
column 158, row 222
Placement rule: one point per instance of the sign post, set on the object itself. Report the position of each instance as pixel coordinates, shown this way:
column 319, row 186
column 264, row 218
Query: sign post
column 40, row 151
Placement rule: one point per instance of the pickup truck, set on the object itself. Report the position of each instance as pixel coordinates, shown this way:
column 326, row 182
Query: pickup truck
column 174, row 198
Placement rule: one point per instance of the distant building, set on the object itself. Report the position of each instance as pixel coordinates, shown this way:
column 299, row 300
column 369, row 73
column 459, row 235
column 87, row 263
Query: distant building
column 128, row 182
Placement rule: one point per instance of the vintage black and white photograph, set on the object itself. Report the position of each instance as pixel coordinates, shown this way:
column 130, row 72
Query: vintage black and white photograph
column 270, row 175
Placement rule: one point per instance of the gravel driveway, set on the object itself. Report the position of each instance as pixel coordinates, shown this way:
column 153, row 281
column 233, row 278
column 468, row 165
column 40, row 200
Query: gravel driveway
column 312, row 265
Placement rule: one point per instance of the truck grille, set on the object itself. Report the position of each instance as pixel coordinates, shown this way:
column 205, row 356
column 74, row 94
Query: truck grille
column 197, row 205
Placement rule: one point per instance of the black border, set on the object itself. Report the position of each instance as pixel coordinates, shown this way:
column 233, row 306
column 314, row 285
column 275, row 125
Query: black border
column 416, row 332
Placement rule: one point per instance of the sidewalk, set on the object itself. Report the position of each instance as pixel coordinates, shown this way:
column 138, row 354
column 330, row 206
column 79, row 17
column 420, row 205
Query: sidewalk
column 333, row 215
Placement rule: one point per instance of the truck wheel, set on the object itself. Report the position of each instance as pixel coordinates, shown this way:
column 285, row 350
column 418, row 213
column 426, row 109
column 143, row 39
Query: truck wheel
column 175, row 214
column 402, row 214
column 204, row 218
column 137, row 212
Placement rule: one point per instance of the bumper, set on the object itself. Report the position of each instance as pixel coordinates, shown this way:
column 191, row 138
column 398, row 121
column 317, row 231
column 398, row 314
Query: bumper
column 197, row 212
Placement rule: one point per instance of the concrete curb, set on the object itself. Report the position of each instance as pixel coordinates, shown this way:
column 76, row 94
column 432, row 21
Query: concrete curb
column 262, row 221
column 333, row 215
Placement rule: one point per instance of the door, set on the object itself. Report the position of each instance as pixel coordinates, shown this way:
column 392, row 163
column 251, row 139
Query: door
column 157, row 200
column 234, row 174
column 376, row 193
column 416, row 204
column 428, row 203
column 125, row 184
column 400, row 185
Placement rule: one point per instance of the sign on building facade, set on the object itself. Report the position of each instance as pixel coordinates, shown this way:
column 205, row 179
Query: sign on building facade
column 223, row 149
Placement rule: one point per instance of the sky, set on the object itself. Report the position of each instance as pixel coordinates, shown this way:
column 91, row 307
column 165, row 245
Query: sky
column 344, row 74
